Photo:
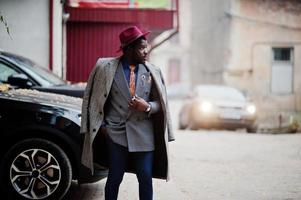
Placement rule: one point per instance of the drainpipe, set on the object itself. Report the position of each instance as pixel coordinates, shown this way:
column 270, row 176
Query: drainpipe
column 171, row 34
column 50, row 34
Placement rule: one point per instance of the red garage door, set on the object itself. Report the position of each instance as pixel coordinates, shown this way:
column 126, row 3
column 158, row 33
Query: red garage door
column 93, row 33
column 86, row 42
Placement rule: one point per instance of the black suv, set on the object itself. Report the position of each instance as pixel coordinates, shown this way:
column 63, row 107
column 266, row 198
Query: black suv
column 40, row 146
column 22, row 72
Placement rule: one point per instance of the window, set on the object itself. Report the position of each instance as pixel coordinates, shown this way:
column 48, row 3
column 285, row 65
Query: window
column 174, row 71
column 282, row 54
column 282, row 71
column 5, row 72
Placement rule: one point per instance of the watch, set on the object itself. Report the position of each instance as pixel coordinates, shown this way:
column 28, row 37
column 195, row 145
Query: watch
column 148, row 108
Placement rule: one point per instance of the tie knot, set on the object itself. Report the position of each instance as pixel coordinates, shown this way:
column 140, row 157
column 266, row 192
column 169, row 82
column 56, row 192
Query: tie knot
column 132, row 67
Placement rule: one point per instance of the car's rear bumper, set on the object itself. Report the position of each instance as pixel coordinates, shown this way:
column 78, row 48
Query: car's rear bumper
column 217, row 120
column 225, row 123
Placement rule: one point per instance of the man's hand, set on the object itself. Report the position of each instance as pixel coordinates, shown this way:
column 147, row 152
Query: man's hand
column 138, row 103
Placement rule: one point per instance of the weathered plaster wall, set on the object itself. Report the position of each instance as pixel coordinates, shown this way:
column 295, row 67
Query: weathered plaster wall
column 256, row 27
column 210, row 39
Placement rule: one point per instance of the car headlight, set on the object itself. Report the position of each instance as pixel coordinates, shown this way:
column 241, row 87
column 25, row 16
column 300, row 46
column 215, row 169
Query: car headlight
column 251, row 109
column 206, row 106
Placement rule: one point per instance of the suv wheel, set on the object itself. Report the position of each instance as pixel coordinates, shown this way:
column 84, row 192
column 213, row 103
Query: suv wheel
column 36, row 169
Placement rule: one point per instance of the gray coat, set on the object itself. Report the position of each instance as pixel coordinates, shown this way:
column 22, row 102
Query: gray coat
column 97, row 91
column 132, row 129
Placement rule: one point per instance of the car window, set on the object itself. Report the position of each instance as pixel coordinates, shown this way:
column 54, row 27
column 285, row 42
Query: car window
column 38, row 73
column 219, row 92
column 44, row 76
column 5, row 72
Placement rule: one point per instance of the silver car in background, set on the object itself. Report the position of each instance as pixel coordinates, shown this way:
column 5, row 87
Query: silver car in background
column 217, row 106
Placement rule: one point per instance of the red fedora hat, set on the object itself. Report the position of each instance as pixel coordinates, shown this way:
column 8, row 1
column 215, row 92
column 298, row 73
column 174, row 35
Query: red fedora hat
column 129, row 35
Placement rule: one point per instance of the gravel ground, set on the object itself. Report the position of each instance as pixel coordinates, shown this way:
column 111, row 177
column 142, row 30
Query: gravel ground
column 220, row 165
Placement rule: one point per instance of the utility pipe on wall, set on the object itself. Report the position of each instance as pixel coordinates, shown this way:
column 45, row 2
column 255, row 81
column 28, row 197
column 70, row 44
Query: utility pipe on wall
column 173, row 33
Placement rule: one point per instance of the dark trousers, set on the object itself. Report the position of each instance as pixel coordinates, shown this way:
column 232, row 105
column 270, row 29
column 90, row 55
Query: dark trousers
column 118, row 158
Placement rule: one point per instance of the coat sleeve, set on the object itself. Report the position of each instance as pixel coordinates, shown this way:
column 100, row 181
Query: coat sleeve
column 171, row 136
column 154, row 101
column 86, row 101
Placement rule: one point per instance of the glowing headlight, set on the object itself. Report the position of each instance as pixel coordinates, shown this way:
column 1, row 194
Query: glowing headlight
column 251, row 109
column 206, row 106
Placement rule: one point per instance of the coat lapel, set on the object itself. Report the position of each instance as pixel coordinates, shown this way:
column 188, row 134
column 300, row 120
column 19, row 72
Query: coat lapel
column 142, row 75
column 157, row 80
column 121, row 82
column 110, row 69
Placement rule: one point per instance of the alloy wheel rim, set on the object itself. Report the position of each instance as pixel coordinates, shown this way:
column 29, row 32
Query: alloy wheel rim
column 35, row 174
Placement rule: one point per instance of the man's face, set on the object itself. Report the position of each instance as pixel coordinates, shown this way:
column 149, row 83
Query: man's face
column 140, row 51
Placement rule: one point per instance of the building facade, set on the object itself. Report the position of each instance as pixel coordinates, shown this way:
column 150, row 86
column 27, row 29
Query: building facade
column 253, row 45
column 173, row 56
column 264, row 57
column 67, row 37
column 36, row 31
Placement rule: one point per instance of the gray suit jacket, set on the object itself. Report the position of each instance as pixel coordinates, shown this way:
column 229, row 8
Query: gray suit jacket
column 97, row 91
column 129, row 128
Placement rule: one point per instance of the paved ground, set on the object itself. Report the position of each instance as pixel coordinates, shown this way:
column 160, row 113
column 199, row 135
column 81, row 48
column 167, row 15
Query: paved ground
column 220, row 165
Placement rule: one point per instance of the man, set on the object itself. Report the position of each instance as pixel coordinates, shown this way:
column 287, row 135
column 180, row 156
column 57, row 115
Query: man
column 125, row 101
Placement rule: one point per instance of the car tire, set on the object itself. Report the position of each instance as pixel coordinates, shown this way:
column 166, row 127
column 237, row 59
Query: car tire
column 36, row 169
column 251, row 129
column 182, row 126
column 183, row 120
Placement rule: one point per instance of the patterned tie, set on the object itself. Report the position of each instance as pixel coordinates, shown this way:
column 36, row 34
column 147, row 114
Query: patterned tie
column 132, row 80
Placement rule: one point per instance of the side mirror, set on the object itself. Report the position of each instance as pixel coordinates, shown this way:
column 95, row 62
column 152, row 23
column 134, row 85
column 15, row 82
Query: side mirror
column 19, row 80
